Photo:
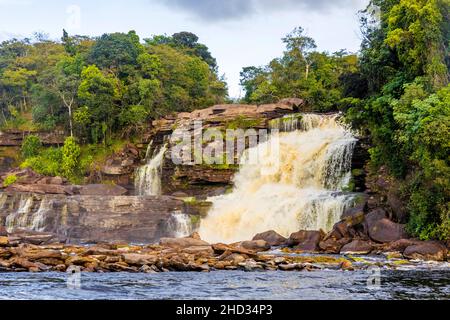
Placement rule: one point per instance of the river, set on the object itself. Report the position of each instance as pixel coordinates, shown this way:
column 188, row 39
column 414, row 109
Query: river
column 417, row 283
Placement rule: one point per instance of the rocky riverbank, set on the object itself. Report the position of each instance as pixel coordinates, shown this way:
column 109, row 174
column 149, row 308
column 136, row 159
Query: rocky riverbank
column 194, row 254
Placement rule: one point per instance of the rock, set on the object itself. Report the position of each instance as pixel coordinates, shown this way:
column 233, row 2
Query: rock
column 428, row 250
column 354, row 216
column 255, row 245
column 346, row 265
column 91, row 219
column 375, row 215
column 332, row 245
column 357, row 247
column 399, row 245
column 3, row 232
column 139, row 259
column 385, row 230
column 4, row 241
column 102, row 190
column 199, row 250
column 195, row 236
column 220, row 248
column 271, row 237
column 182, row 242
column 305, row 240
column 40, row 188
column 235, row 258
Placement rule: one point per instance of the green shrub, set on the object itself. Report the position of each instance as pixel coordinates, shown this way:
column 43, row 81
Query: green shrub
column 70, row 158
column 31, row 146
column 9, row 180
column 48, row 162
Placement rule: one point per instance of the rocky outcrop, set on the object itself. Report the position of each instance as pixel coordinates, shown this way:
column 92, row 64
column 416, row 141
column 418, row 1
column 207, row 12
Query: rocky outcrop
column 90, row 218
column 14, row 138
column 102, row 190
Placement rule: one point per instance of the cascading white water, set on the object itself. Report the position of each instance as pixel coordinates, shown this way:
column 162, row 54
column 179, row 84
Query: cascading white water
column 296, row 188
column 148, row 177
column 27, row 218
column 180, row 225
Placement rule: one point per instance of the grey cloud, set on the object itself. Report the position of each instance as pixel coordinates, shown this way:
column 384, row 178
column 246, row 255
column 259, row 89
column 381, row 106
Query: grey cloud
column 237, row 9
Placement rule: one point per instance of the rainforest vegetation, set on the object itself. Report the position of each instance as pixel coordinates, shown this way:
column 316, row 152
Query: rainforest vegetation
column 102, row 91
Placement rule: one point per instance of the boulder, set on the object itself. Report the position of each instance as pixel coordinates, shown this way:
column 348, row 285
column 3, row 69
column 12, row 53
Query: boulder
column 305, row 240
column 333, row 245
column 375, row 215
column 3, row 232
column 220, row 248
column 255, row 245
column 182, row 242
column 399, row 245
column 139, row 259
column 357, row 247
column 271, row 237
column 429, row 250
column 385, row 230
column 103, row 190
column 397, row 205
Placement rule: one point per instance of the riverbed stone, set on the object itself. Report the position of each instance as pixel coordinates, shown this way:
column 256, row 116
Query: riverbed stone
column 255, row 245
column 426, row 250
column 271, row 237
column 305, row 240
column 357, row 247
column 182, row 242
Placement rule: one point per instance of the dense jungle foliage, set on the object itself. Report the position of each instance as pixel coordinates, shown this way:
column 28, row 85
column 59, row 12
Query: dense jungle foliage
column 101, row 91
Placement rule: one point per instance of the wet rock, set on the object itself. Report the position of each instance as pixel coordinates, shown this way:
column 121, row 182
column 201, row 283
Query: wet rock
column 357, row 247
column 428, row 250
column 305, row 240
column 332, row 245
column 103, row 190
column 182, row 242
column 139, row 259
column 397, row 205
column 346, row 265
column 255, row 245
column 271, row 237
column 288, row 267
column 220, row 248
column 3, row 232
column 385, row 230
column 250, row 265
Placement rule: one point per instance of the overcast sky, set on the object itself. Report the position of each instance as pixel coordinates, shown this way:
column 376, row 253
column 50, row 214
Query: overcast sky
column 239, row 33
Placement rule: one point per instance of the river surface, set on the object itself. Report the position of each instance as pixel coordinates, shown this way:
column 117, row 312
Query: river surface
column 417, row 283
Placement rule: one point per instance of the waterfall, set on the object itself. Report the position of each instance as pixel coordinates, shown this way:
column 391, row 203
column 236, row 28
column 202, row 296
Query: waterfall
column 180, row 225
column 27, row 217
column 148, row 177
column 301, row 191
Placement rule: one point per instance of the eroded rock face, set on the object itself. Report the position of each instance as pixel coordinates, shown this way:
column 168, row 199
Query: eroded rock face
column 428, row 250
column 90, row 218
column 102, row 190
column 271, row 237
